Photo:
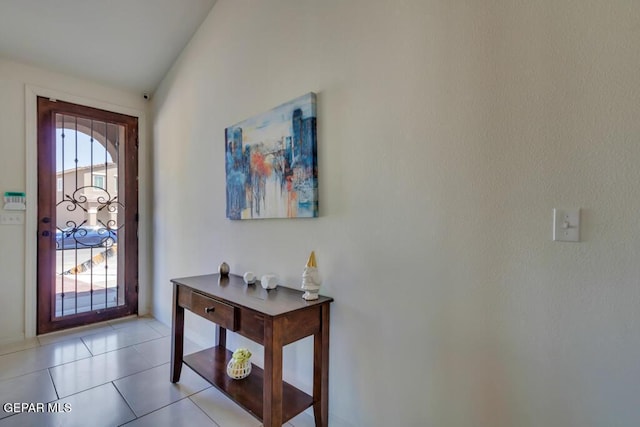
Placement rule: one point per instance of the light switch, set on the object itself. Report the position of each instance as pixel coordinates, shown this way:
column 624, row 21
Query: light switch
column 566, row 225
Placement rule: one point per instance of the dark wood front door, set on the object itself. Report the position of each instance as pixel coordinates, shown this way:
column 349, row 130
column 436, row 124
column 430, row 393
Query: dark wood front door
column 87, row 215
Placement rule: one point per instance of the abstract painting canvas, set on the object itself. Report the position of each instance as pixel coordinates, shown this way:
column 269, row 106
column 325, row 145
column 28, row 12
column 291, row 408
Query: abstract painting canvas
column 271, row 163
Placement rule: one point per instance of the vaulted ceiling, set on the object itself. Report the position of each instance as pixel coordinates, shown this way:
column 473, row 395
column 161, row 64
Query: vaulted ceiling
column 129, row 44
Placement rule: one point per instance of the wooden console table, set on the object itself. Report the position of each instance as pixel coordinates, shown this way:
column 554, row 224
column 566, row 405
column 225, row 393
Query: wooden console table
column 272, row 318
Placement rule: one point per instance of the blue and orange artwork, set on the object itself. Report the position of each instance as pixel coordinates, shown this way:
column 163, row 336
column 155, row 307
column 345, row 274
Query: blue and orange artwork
column 271, row 163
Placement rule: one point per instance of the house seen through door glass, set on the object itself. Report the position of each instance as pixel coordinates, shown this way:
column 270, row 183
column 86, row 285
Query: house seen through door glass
column 87, row 246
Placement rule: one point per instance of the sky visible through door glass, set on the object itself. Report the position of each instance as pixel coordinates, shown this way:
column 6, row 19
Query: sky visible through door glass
column 84, row 150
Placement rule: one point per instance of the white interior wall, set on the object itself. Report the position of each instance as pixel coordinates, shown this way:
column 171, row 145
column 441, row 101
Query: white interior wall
column 447, row 133
column 12, row 178
column 19, row 85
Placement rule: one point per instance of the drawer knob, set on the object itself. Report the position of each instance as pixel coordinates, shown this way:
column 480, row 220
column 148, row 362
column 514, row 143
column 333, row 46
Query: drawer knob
column 209, row 309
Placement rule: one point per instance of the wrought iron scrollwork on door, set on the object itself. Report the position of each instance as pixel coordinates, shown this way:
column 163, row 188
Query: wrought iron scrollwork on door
column 81, row 234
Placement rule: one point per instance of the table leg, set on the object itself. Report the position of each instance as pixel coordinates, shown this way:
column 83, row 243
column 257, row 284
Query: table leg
column 321, row 370
column 222, row 336
column 177, row 338
column 272, row 387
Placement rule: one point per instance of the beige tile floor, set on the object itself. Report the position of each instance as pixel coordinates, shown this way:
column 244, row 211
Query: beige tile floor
column 111, row 374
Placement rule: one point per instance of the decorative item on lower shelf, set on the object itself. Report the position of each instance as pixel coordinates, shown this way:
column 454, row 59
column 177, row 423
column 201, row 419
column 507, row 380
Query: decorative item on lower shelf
column 311, row 279
column 239, row 366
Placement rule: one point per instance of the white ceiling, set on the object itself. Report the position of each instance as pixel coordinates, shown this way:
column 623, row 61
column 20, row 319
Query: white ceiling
column 129, row 44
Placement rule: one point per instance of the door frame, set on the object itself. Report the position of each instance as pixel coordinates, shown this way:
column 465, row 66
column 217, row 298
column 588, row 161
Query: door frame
column 31, row 215
column 48, row 207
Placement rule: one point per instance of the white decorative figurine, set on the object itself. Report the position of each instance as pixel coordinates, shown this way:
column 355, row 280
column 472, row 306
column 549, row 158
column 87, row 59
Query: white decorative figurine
column 311, row 279
column 269, row 281
column 249, row 278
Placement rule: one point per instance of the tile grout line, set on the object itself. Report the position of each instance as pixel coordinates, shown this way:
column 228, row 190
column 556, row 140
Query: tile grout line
column 163, row 406
column 126, row 346
column 202, row 410
column 113, row 383
column 21, row 349
column 55, row 389
column 87, row 347
column 42, row 368
column 91, row 355
column 96, row 386
column 140, row 354
column 67, row 335
column 155, row 410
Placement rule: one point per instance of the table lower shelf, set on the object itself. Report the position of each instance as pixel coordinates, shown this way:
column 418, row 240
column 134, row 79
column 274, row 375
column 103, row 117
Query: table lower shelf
column 211, row 364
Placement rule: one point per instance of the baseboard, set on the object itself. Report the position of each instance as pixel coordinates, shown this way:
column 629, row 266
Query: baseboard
column 11, row 344
column 306, row 419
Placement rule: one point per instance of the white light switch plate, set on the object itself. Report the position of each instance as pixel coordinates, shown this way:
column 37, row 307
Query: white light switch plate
column 13, row 218
column 566, row 225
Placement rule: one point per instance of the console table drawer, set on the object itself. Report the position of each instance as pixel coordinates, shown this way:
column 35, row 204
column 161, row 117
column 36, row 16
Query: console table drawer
column 211, row 309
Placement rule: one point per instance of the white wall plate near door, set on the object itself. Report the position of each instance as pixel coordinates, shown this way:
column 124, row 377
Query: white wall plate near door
column 566, row 225
column 12, row 218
